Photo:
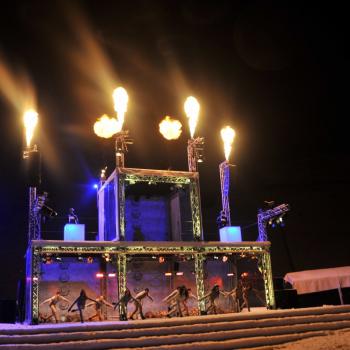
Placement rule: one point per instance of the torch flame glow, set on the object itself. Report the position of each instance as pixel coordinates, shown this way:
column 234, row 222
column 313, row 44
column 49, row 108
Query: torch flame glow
column 120, row 97
column 227, row 135
column 106, row 127
column 30, row 120
column 192, row 112
column 170, row 128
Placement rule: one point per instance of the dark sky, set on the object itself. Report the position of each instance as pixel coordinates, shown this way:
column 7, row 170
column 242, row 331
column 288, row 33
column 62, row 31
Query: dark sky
column 275, row 71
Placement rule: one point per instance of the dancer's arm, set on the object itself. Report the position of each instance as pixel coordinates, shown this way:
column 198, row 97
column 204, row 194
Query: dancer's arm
column 64, row 299
column 70, row 308
column 45, row 301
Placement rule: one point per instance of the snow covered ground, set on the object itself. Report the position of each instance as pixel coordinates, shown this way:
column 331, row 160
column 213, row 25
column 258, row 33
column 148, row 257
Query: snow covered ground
column 334, row 340
column 324, row 328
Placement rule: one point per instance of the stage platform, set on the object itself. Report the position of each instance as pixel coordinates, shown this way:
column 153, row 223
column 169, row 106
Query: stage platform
column 106, row 268
column 257, row 328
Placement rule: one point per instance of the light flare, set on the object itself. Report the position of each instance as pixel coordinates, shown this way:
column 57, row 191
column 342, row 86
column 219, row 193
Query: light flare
column 192, row 111
column 227, row 135
column 30, row 120
column 106, row 127
column 170, row 128
column 121, row 98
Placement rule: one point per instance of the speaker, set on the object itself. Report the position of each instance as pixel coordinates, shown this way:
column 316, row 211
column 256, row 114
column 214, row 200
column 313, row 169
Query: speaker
column 33, row 169
column 286, row 298
column 7, row 311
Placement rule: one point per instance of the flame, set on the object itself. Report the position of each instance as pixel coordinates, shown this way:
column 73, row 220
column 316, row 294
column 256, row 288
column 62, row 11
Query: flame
column 227, row 135
column 106, row 127
column 170, row 128
column 30, row 120
column 192, row 112
column 120, row 97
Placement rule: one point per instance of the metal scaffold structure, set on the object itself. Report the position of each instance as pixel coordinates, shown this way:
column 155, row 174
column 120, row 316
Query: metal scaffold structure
column 113, row 218
column 121, row 250
column 264, row 216
column 224, row 169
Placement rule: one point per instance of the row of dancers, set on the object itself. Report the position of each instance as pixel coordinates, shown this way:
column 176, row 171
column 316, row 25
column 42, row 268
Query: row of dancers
column 177, row 302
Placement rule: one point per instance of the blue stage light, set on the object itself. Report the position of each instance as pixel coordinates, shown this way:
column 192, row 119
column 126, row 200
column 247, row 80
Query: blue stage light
column 95, row 186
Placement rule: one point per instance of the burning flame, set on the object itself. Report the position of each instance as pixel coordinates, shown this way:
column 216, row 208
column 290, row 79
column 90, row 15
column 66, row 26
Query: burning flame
column 170, row 128
column 192, row 112
column 227, row 135
column 106, row 127
column 30, row 120
column 120, row 97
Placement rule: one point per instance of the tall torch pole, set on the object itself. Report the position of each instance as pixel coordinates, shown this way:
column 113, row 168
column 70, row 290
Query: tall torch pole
column 194, row 145
column 121, row 98
column 227, row 135
column 32, row 157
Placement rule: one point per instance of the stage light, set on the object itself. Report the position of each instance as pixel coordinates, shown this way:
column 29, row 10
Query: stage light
column 224, row 258
column 35, row 279
column 161, row 259
column 30, row 120
column 244, row 274
column 95, row 186
column 107, row 257
column 227, row 135
column 99, row 275
column 154, row 257
column 167, row 274
column 230, row 274
column 80, row 258
column 90, row 260
column 179, row 273
column 112, row 274
column 192, row 111
column 58, row 258
column 215, row 257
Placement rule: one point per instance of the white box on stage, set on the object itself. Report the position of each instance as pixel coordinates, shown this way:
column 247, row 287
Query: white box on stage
column 74, row 232
column 230, row 234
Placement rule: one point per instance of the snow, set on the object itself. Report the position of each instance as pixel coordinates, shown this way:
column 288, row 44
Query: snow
column 334, row 340
column 324, row 328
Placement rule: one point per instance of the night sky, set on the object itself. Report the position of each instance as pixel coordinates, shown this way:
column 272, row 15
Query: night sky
column 275, row 71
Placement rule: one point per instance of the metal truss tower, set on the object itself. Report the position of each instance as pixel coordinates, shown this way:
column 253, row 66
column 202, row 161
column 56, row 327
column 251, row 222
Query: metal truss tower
column 265, row 215
column 122, row 139
column 194, row 153
column 224, row 169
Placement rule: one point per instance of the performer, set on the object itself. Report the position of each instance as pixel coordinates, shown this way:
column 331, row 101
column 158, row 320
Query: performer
column 138, row 302
column 212, row 296
column 188, row 295
column 123, row 301
column 177, row 299
column 72, row 217
column 246, row 288
column 80, row 301
column 52, row 304
column 99, row 301
column 235, row 295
